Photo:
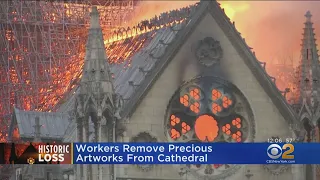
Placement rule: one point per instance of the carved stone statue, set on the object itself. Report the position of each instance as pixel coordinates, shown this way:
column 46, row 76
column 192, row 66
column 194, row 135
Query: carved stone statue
column 208, row 51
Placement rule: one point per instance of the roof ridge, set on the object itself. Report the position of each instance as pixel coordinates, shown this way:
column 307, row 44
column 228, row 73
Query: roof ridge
column 165, row 19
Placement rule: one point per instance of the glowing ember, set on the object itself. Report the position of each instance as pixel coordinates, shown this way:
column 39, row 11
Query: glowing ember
column 122, row 50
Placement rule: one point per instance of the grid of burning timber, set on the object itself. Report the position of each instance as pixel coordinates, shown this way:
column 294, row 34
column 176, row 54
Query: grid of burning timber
column 41, row 49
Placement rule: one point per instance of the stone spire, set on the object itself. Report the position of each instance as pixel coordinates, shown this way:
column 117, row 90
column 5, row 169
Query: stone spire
column 95, row 100
column 309, row 86
column 96, row 88
column 310, row 71
column 96, row 77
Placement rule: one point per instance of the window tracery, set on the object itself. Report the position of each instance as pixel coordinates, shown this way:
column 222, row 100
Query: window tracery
column 208, row 109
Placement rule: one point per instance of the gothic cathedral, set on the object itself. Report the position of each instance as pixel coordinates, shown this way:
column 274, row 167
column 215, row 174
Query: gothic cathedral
column 189, row 78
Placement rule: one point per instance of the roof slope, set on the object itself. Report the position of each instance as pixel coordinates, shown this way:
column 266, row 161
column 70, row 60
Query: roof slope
column 53, row 125
column 129, row 75
column 133, row 58
column 137, row 61
column 144, row 69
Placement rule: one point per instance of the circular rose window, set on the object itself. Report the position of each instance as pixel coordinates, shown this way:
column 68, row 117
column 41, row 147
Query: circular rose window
column 208, row 109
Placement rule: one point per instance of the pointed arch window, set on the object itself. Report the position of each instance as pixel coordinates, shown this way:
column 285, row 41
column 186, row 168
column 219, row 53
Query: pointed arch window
column 308, row 128
column 18, row 174
column 208, row 109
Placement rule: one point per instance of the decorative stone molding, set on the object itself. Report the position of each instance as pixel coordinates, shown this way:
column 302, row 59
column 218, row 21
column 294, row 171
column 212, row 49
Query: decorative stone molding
column 276, row 169
column 208, row 51
column 221, row 176
column 145, row 167
column 144, row 137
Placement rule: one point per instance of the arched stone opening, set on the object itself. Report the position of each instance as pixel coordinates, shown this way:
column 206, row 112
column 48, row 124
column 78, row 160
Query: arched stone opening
column 109, row 116
column 308, row 128
column 107, row 126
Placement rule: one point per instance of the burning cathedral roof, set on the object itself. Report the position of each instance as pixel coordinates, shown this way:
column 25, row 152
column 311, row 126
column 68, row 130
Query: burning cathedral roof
column 136, row 55
column 133, row 53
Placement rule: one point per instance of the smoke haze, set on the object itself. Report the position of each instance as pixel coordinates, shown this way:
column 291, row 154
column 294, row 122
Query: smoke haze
column 272, row 28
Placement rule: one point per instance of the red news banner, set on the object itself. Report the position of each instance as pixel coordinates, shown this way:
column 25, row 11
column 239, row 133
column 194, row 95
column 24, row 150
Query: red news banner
column 36, row 153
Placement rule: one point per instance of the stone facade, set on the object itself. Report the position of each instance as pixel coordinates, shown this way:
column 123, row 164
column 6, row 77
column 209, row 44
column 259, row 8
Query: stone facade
column 269, row 121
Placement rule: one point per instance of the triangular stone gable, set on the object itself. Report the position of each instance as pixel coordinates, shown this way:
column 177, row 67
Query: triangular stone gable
column 269, row 121
column 240, row 65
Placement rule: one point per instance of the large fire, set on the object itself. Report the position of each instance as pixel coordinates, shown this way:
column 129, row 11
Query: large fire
column 258, row 24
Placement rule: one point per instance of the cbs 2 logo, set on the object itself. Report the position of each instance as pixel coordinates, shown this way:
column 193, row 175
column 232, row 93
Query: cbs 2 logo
column 275, row 151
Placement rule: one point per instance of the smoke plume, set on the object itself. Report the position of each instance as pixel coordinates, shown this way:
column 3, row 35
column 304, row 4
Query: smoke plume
column 272, row 28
